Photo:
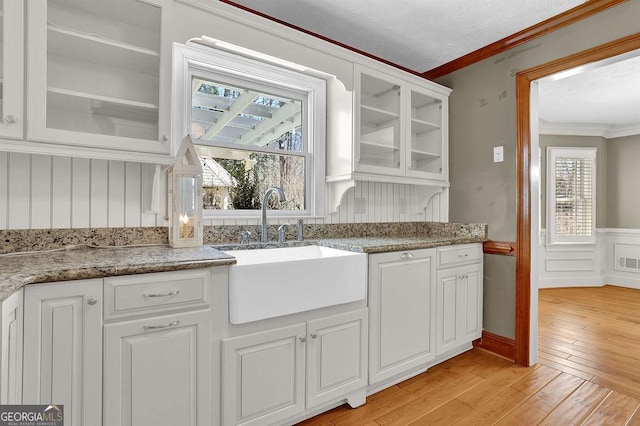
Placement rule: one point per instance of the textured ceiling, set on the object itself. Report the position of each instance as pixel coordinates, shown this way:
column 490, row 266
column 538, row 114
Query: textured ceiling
column 416, row 34
column 607, row 94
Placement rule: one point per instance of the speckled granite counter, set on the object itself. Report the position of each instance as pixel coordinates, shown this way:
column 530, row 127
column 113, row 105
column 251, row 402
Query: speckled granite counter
column 386, row 244
column 19, row 270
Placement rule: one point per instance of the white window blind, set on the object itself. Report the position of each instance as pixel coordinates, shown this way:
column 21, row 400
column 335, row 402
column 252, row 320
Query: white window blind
column 571, row 201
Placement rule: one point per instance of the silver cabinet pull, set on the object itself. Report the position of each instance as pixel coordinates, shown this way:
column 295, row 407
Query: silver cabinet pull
column 314, row 335
column 303, row 339
column 170, row 293
column 406, row 256
column 464, row 255
column 10, row 119
column 165, row 138
column 92, row 300
column 160, row 327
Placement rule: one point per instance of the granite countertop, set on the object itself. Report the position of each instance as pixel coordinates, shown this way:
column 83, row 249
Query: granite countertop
column 83, row 263
column 387, row 244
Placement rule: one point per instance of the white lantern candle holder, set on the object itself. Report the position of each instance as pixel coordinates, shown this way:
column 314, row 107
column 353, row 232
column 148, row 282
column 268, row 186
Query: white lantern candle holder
column 185, row 195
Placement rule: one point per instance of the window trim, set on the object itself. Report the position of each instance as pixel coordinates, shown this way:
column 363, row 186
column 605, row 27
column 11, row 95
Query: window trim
column 229, row 67
column 568, row 152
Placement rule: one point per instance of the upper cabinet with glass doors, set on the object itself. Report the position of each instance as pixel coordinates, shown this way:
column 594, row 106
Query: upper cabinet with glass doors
column 11, row 68
column 99, row 75
column 400, row 129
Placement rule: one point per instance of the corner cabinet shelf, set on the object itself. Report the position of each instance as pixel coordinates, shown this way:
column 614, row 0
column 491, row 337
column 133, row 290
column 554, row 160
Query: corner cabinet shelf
column 400, row 135
column 100, row 78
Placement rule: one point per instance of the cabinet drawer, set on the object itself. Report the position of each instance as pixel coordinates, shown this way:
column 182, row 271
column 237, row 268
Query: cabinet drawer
column 135, row 295
column 459, row 255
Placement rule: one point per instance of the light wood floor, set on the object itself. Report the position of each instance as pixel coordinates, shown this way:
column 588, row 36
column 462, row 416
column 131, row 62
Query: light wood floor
column 588, row 373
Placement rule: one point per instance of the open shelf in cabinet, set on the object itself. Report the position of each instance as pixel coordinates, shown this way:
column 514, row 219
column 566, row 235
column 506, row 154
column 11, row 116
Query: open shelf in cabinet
column 90, row 48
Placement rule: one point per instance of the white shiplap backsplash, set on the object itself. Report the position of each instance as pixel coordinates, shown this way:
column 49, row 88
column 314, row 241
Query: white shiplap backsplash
column 42, row 191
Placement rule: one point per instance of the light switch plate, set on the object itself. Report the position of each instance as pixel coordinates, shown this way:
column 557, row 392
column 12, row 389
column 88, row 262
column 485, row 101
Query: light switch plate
column 498, row 154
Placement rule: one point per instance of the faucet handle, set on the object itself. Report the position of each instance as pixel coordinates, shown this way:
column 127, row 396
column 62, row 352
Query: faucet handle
column 299, row 230
column 244, row 237
column 282, row 229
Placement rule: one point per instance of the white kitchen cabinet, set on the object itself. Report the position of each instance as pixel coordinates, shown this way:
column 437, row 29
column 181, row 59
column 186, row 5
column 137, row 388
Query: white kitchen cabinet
column 99, row 76
column 337, row 352
column 11, row 349
column 402, row 297
column 401, row 129
column 63, row 348
column 11, row 68
column 459, row 297
column 265, row 374
column 157, row 371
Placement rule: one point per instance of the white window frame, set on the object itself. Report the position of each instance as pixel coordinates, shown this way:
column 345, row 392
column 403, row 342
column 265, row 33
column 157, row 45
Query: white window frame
column 563, row 152
column 229, row 67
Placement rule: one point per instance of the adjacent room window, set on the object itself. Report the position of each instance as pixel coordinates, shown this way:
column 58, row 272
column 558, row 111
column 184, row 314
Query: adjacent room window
column 255, row 126
column 571, row 195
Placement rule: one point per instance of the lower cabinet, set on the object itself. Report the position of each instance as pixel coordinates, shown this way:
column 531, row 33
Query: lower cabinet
column 273, row 375
column 459, row 297
column 402, row 296
column 63, row 348
column 156, row 371
column 11, row 349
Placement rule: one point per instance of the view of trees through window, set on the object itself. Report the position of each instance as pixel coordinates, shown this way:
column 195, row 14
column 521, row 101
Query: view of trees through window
column 248, row 141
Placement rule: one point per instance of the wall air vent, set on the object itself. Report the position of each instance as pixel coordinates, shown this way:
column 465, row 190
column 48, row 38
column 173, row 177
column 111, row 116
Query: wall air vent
column 627, row 257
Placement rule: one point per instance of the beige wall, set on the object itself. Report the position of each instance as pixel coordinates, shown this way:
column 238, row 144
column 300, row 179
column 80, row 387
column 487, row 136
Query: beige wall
column 623, row 182
column 601, row 172
column 483, row 115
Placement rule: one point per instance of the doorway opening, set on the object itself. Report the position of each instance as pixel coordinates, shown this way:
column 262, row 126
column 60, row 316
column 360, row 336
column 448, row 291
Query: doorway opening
column 528, row 176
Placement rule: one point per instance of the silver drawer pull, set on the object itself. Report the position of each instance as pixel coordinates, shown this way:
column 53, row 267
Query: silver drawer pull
column 171, row 293
column 406, row 256
column 464, row 255
column 160, row 327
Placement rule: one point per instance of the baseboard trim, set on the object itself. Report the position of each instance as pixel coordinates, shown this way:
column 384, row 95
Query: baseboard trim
column 498, row 345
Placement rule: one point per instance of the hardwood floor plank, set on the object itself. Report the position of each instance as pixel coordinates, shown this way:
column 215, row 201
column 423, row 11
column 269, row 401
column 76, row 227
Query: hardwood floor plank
column 616, row 409
column 376, row 406
column 447, row 414
column 431, row 401
column 556, row 391
column 501, row 380
column 535, row 381
column 523, row 415
column 579, row 406
column 494, row 408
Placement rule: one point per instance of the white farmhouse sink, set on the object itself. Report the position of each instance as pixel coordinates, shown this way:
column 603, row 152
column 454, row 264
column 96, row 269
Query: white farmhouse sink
column 267, row 283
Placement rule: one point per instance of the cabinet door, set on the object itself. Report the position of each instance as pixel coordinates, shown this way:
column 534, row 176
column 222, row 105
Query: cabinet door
column 471, row 286
column 100, row 76
column 379, row 132
column 458, row 307
column 63, row 348
column 336, row 356
column 448, row 315
column 263, row 376
column 427, row 138
column 11, row 349
column 11, row 67
column 402, row 312
column 158, row 371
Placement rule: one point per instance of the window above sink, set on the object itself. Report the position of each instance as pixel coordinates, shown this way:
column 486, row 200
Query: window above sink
column 255, row 125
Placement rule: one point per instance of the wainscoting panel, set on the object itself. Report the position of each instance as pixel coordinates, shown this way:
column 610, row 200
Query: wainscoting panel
column 593, row 265
column 41, row 192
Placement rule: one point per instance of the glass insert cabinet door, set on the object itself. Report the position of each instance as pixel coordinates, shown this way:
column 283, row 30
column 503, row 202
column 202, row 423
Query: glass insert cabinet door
column 379, row 130
column 11, row 68
column 425, row 153
column 105, row 65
